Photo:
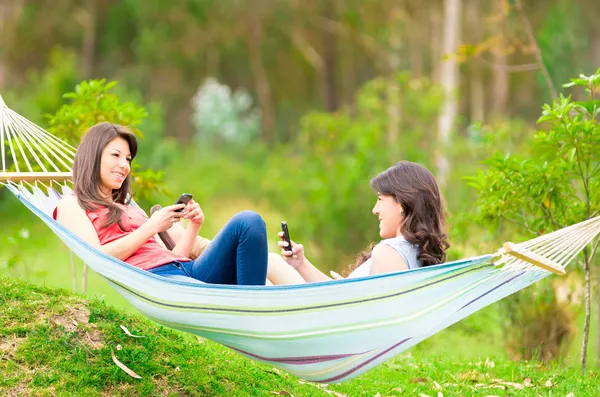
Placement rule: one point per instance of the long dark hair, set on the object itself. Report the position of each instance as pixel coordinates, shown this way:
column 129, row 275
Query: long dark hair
column 86, row 170
column 424, row 224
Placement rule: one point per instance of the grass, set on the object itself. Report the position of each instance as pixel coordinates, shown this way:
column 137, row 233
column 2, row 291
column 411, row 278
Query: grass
column 53, row 342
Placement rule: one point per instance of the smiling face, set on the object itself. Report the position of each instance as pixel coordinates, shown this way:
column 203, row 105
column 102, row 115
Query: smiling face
column 115, row 164
column 390, row 215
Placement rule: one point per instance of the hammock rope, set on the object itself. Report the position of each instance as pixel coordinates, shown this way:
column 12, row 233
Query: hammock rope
column 326, row 332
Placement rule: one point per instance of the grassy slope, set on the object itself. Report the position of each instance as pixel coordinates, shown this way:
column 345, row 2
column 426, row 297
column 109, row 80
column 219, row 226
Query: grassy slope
column 56, row 343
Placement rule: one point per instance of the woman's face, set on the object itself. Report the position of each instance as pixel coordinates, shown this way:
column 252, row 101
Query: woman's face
column 390, row 214
column 115, row 164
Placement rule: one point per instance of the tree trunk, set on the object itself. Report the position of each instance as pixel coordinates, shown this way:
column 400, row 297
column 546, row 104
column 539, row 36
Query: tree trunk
column 500, row 88
column 10, row 12
column 596, row 278
column 329, row 56
column 416, row 56
column 586, row 325
column 449, row 81
column 435, row 22
column 477, row 96
column 261, row 79
column 88, row 20
column 393, row 91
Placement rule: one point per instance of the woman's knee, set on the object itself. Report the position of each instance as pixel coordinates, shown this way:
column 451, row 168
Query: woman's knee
column 251, row 220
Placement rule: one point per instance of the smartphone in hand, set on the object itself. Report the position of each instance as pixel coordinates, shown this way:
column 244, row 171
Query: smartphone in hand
column 183, row 199
column 286, row 235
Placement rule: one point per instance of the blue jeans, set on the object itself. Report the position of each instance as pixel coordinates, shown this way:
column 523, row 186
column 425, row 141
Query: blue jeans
column 237, row 255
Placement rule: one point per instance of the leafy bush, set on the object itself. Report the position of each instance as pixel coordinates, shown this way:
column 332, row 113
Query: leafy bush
column 93, row 102
column 558, row 186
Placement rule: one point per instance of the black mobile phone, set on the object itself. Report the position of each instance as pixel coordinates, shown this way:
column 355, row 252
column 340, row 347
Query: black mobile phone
column 183, row 199
column 286, row 235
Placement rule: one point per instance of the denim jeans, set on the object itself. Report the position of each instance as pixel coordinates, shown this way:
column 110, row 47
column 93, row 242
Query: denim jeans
column 237, row 255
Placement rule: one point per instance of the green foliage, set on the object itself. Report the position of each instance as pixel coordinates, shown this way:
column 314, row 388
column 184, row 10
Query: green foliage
column 326, row 169
column 42, row 93
column 543, row 330
column 556, row 187
column 93, row 102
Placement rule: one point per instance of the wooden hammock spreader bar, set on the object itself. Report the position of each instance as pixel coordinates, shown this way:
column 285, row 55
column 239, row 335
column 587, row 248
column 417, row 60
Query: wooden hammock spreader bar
column 35, row 176
column 533, row 258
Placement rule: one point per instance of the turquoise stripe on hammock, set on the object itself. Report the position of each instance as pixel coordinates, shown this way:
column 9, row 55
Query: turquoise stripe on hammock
column 325, row 332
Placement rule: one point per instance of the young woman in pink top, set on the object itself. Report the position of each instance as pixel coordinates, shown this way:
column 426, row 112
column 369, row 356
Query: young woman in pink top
column 100, row 214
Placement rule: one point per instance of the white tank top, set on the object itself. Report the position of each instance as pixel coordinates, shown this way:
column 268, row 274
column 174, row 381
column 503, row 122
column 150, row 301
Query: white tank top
column 408, row 252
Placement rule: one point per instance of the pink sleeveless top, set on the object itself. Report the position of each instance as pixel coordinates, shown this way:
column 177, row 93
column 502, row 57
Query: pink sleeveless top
column 150, row 255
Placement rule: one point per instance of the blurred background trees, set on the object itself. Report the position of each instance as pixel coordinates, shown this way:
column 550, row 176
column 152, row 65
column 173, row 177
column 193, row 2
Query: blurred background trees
column 290, row 107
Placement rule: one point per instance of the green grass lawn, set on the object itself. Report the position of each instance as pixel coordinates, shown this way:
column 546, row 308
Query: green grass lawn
column 55, row 343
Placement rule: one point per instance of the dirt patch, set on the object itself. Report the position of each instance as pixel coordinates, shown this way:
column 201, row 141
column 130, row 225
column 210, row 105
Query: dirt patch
column 18, row 391
column 77, row 320
column 9, row 345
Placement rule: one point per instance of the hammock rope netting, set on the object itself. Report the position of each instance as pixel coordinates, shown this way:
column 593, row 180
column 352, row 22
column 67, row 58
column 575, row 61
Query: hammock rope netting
column 325, row 332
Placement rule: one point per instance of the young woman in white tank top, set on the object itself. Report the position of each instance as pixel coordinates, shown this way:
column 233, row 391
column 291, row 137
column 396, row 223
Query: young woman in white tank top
column 412, row 225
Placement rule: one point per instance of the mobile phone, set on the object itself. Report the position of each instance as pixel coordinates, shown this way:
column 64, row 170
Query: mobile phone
column 286, row 235
column 183, row 199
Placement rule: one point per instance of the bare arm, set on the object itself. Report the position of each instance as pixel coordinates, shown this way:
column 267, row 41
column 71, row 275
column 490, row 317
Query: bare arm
column 298, row 261
column 386, row 260
column 310, row 273
column 184, row 245
column 73, row 217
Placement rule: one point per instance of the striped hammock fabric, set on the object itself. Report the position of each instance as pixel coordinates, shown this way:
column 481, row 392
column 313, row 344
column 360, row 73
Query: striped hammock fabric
column 324, row 332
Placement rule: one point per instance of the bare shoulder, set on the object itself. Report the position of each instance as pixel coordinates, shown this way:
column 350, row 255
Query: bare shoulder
column 68, row 207
column 68, row 199
column 73, row 217
column 384, row 251
column 386, row 259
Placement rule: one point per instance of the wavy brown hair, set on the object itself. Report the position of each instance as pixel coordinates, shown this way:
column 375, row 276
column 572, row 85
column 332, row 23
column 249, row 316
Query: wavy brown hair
column 86, row 170
column 424, row 224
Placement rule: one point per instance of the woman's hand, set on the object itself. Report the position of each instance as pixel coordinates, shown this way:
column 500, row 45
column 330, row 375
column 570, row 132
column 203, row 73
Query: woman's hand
column 194, row 213
column 163, row 219
column 294, row 258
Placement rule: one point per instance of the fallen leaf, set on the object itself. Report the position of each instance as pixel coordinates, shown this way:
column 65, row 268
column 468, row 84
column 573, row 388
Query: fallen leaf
column 124, row 367
column 437, row 386
column 549, row 383
column 124, row 328
column 399, row 390
column 492, row 386
column 273, row 370
column 418, row 380
column 527, row 382
column 517, row 386
column 282, row 393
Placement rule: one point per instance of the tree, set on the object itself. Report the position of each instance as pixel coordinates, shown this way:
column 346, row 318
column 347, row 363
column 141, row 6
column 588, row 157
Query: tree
column 449, row 81
column 559, row 185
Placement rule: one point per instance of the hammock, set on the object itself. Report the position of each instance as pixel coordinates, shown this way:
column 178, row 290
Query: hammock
column 326, row 332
